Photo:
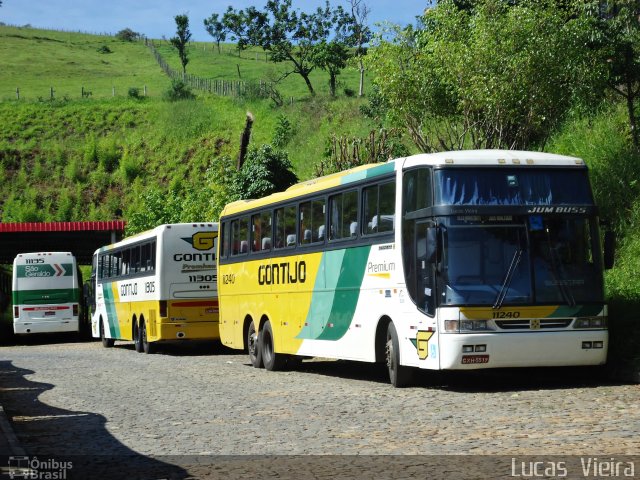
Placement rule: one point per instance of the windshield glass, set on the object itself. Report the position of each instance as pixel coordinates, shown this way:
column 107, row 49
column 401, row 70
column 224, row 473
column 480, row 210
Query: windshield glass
column 534, row 260
column 511, row 186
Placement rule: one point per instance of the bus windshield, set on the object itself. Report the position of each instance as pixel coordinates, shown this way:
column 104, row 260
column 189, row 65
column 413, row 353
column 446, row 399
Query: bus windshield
column 512, row 186
column 535, row 260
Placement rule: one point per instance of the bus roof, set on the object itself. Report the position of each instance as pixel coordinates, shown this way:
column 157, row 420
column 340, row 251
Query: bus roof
column 493, row 157
column 314, row 185
column 459, row 158
column 155, row 231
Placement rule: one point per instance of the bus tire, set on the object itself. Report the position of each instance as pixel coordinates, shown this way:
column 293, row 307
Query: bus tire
column 399, row 376
column 147, row 347
column 253, row 346
column 137, row 339
column 106, row 342
column 272, row 360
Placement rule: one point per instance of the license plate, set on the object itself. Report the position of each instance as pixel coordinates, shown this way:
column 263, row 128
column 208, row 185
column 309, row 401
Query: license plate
column 474, row 359
column 49, row 314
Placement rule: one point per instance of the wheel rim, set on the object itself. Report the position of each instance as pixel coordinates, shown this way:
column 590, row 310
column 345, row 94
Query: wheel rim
column 267, row 348
column 389, row 353
column 252, row 341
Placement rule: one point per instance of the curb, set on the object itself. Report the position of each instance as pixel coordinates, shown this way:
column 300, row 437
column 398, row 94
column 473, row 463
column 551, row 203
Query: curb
column 6, row 431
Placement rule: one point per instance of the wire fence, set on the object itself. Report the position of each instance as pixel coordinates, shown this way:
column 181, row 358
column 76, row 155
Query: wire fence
column 230, row 88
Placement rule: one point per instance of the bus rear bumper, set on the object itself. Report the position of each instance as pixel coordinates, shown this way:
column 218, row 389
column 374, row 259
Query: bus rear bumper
column 45, row 326
column 189, row 331
column 548, row 349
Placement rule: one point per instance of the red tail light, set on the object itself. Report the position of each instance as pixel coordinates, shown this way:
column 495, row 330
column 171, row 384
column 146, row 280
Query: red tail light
column 163, row 308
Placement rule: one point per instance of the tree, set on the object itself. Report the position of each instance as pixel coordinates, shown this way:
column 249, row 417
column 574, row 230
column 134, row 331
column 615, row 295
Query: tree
column 492, row 76
column 290, row 36
column 216, row 28
column 183, row 35
column 127, row 35
column 331, row 57
column 621, row 28
column 361, row 36
column 265, row 171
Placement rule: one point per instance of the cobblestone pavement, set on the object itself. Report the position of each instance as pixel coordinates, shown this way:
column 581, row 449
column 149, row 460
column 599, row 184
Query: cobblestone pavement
column 84, row 400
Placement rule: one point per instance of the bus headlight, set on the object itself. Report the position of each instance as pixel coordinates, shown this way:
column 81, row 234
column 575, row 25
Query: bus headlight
column 591, row 322
column 458, row 326
column 452, row 326
column 474, row 325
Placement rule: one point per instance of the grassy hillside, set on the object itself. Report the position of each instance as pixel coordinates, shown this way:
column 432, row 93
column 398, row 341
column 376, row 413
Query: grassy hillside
column 76, row 158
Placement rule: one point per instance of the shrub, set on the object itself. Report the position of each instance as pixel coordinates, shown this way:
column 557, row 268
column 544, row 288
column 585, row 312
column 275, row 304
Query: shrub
column 127, row 35
column 179, row 91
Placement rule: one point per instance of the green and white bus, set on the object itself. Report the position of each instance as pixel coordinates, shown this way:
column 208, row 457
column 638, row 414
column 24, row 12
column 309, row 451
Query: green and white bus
column 46, row 293
column 455, row 260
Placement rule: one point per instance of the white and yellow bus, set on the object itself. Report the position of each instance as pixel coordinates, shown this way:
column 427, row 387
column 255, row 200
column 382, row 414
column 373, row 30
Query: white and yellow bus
column 160, row 285
column 46, row 293
column 457, row 260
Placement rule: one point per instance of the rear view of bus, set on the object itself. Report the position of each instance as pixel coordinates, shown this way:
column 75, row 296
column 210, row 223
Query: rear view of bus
column 46, row 295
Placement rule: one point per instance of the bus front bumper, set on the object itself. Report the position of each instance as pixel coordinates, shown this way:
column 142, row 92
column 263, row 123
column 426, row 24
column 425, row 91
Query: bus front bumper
column 540, row 349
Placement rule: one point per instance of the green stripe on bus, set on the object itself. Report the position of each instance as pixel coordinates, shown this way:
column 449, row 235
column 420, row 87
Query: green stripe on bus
column 369, row 173
column 333, row 305
column 46, row 296
column 577, row 311
column 112, row 316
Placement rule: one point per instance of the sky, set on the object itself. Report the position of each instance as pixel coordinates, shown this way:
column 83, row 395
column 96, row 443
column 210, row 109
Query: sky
column 155, row 18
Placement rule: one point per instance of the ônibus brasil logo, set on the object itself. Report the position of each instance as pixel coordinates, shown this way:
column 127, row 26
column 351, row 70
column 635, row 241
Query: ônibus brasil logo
column 201, row 240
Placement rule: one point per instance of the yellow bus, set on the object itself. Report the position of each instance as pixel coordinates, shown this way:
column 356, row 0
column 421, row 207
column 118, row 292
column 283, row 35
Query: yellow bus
column 160, row 285
column 455, row 260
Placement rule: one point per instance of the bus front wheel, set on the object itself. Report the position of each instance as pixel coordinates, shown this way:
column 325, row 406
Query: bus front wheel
column 399, row 375
column 106, row 342
column 253, row 345
column 272, row 360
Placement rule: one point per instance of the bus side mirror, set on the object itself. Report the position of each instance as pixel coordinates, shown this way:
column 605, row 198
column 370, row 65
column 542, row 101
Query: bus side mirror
column 609, row 249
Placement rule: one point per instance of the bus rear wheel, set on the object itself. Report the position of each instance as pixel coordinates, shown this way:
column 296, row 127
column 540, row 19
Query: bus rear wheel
column 253, row 346
column 272, row 360
column 137, row 339
column 399, row 375
column 106, row 342
column 147, row 347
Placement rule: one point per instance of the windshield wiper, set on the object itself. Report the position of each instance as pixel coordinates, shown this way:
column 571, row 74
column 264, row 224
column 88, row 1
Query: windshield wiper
column 515, row 260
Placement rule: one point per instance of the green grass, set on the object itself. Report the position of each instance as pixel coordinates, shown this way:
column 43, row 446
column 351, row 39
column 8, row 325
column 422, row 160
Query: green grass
column 36, row 60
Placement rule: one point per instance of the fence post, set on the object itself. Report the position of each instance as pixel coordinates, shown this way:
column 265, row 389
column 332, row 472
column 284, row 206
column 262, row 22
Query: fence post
column 17, row 93
column 145, row 90
column 51, row 92
column 82, row 92
column 113, row 91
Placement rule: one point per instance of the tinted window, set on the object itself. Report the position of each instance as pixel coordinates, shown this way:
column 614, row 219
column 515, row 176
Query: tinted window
column 343, row 215
column 312, row 222
column 379, row 208
column 285, row 227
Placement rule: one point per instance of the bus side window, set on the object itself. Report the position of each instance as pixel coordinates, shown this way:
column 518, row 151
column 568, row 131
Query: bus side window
column 285, row 227
column 379, row 208
column 261, row 232
column 240, row 236
column 343, row 214
column 126, row 261
column 312, row 221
